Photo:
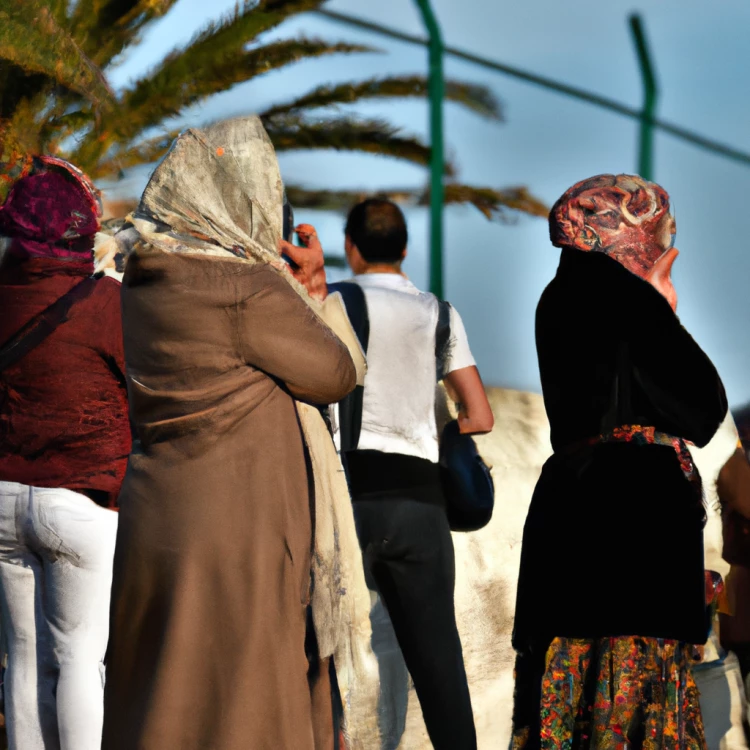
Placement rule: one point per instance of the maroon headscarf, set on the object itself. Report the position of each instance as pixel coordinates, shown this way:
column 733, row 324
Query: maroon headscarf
column 623, row 216
column 52, row 213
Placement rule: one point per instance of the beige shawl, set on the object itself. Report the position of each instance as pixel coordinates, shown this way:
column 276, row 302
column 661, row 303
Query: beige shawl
column 222, row 184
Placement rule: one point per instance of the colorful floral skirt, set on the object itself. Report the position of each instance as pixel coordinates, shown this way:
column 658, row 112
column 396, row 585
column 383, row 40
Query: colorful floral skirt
column 608, row 694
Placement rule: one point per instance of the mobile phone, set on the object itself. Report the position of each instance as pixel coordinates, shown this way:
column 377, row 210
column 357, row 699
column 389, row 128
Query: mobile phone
column 288, row 231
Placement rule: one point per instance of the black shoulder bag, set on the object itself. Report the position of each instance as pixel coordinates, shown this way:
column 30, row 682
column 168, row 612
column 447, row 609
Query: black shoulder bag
column 467, row 481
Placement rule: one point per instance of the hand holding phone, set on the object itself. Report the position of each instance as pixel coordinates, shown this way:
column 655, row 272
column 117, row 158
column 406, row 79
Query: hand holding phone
column 306, row 262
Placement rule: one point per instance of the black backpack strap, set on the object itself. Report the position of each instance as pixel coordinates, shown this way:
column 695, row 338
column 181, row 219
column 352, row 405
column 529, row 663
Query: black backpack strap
column 442, row 338
column 42, row 325
column 350, row 409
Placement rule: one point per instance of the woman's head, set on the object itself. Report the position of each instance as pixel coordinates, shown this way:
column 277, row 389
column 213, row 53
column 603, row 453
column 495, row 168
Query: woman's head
column 220, row 184
column 623, row 216
column 52, row 212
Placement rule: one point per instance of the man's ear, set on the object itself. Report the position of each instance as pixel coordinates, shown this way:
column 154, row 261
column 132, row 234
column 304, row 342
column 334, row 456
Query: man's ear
column 353, row 256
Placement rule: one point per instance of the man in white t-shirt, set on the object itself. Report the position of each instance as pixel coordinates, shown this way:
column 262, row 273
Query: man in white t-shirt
column 393, row 468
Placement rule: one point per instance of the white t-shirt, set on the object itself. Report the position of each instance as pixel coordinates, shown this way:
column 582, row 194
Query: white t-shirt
column 398, row 410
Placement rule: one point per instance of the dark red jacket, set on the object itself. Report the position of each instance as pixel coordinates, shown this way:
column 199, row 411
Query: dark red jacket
column 63, row 407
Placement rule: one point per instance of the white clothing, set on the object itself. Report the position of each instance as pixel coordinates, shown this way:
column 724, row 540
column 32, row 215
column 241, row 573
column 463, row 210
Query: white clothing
column 398, row 411
column 722, row 700
column 56, row 555
column 718, row 677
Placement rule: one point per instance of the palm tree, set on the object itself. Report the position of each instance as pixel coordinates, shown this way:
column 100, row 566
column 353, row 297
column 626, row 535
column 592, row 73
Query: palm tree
column 54, row 96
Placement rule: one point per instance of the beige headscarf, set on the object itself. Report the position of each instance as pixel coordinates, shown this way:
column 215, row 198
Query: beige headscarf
column 219, row 193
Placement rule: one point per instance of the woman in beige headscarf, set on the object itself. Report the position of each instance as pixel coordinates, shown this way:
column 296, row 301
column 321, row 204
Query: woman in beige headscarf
column 234, row 500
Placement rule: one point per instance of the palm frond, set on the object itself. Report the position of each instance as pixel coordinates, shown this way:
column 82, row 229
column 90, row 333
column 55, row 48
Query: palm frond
column 93, row 21
column 61, row 124
column 59, row 9
column 104, row 28
column 145, row 152
column 83, row 20
column 31, row 38
column 479, row 99
column 227, row 38
column 246, row 23
column 25, row 125
column 494, row 204
column 291, row 133
column 186, row 78
column 183, row 81
column 17, row 85
column 343, row 200
column 15, row 159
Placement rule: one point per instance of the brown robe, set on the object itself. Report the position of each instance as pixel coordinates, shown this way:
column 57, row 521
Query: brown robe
column 212, row 567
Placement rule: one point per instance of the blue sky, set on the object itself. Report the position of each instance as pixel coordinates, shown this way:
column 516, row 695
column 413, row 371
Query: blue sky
column 495, row 272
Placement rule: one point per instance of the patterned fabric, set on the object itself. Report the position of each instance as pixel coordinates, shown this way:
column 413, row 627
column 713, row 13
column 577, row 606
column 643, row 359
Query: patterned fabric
column 639, row 435
column 218, row 192
column 623, row 216
column 625, row 692
column 52, row 213
column 48, row 163
column 621, row 692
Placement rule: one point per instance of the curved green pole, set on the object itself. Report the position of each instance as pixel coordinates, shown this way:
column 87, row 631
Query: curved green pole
column 437, row 157
column 650, row 94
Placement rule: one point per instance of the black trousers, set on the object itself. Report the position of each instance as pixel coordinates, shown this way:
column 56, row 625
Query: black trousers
column 409, row 560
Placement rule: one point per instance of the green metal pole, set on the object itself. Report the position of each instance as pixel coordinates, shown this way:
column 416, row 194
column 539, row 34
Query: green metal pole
column 436, row 89
column 689, row 136
column 650, row 94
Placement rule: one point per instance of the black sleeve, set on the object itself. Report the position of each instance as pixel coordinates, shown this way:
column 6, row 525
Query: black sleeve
column 679, row 380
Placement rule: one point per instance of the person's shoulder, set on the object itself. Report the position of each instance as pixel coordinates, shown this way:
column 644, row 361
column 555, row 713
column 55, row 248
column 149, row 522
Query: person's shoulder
column 424, row 297
column 109, row 283
column 251, row 279
column 425, row 301
column 549, row 293
column 104, row 298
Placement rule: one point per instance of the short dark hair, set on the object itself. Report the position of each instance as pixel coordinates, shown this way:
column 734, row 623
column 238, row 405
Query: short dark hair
column 378, row 229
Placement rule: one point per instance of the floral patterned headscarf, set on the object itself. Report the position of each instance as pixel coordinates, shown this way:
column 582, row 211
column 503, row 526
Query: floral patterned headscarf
column 623, row 216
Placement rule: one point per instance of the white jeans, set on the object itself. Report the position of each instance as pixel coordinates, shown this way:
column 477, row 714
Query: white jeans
column 56, row 554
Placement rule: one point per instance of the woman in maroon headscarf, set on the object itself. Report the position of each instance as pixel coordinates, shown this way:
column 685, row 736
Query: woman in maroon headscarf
column 64, row 443
column 611, row 593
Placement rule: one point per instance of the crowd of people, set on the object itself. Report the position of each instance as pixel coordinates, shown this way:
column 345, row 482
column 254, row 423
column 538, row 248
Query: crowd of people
column 209, row 455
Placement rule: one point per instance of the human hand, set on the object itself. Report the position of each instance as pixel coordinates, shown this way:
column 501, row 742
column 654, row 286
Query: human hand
column 660, row 277
column 310, row 271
